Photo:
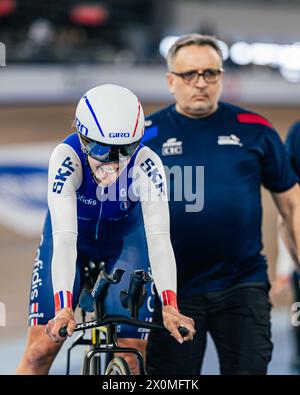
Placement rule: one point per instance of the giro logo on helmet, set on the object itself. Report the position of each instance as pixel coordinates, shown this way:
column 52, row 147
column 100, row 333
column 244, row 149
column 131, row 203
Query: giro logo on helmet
column 119, row 134
column 81, row 128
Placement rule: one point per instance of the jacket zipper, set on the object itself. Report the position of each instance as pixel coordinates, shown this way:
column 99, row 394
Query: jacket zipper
column 100, row 214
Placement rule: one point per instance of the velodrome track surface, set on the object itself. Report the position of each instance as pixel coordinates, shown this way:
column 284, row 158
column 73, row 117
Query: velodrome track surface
column 19, row 233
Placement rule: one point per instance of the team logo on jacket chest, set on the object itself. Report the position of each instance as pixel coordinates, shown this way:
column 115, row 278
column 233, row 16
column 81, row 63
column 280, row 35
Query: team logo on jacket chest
column 172, row 147
column 232, row 139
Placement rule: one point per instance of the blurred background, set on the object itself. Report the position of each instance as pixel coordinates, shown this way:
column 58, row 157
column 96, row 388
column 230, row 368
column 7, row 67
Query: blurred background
column 52, row 52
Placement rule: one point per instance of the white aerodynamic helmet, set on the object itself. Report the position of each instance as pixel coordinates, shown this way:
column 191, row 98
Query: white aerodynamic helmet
column 110, row 122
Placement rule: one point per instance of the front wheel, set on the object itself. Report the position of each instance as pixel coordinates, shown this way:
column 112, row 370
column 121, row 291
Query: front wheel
column 117, row 367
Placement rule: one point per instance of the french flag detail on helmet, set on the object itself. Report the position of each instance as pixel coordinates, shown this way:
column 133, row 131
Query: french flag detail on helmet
column 137, row 120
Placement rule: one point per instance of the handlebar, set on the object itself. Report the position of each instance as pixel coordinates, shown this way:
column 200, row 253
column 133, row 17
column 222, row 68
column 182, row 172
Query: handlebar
column 104, row 280
column 120, row 319
column 183, row 331
column 135, row 297
column 63, row 332
column 131, row 299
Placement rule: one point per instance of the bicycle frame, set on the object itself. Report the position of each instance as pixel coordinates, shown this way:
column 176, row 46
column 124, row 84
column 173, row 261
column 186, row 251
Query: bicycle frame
column 94, row 301
column 111, row 346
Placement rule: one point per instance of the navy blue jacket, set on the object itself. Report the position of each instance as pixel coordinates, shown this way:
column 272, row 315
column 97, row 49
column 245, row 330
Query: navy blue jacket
column 220, row 162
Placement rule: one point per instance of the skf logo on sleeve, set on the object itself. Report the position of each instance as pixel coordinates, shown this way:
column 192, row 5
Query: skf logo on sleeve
column 63, row 173
column 152, row 171
column 172, row 147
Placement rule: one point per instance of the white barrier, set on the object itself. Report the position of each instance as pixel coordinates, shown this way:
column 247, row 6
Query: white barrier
column 46, row 84
column 2, row 54
column 23, row 186
column 2, row 314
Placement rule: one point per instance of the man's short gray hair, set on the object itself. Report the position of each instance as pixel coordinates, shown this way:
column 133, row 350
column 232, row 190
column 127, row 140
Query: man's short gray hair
column 193, row 39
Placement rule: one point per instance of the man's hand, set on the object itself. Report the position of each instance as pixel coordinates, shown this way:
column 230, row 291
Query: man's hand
column 63, row 318
column 173, row 320
column 288, row 204
column 280, row 285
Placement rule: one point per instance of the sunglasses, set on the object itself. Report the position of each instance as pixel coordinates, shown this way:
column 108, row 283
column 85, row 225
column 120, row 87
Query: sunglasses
column 107, row 152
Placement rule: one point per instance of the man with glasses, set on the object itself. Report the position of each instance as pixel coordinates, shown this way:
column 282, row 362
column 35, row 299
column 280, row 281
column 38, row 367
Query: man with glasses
column 222, row 275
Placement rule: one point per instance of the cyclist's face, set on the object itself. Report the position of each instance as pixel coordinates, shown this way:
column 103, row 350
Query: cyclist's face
column 198, row 99
column 105, row 173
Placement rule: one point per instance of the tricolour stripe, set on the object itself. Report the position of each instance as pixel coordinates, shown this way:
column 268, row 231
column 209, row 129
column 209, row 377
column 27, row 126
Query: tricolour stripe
column 93, row 114
column 169, row 298
column 34, row 307
column 63, row 299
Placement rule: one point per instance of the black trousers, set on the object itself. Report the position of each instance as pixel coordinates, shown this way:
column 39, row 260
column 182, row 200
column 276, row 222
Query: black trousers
column 238, row 321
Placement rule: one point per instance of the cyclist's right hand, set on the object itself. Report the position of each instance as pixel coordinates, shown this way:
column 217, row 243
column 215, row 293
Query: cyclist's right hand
column 63, row 318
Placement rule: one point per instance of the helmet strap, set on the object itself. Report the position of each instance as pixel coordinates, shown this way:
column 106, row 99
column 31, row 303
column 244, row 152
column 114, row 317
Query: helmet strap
column 89, row 166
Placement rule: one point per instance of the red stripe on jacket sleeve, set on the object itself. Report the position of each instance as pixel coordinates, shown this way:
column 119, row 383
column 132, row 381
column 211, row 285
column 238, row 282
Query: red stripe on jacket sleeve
column 253, row 118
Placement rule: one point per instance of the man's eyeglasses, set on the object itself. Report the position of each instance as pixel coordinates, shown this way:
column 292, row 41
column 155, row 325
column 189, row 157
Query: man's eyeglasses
column 192, row 77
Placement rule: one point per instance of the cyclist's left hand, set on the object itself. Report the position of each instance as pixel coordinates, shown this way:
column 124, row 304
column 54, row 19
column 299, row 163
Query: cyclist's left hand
column 173, row 320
